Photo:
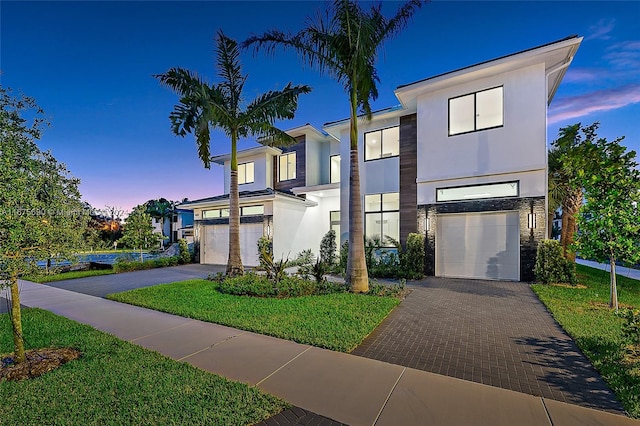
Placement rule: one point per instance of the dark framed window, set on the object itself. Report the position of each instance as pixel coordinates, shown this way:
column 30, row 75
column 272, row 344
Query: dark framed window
column 382, row 216
column 224, row 212
column 287, row 166
column 476, row 111
column 476, row 192
column 382, row 143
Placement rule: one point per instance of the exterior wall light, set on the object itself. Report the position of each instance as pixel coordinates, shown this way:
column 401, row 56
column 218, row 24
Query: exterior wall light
column 531, row 220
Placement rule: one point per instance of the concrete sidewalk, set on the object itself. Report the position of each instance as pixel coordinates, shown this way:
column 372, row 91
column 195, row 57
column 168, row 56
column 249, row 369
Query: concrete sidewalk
column 347, row 388
column 620, row 270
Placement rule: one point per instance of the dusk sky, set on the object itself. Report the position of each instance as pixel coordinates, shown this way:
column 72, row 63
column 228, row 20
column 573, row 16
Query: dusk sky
column 89, row 65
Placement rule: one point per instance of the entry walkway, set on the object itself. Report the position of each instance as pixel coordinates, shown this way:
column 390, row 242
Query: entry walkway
column 343, row 387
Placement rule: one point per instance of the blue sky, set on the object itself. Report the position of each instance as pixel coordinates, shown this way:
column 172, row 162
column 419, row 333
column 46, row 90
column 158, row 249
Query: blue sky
column 90, row 65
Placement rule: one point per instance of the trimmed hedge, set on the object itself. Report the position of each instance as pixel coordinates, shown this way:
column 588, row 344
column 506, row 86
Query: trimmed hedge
column 256, row 285
column 551, row 267
column 129, row 266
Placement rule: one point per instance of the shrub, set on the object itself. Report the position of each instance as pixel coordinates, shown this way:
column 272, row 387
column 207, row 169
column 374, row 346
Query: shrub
column 412, row 259
column 344, row 256
column 184, row 256
column 631, row 326
column 304, row 261
column 255, row 285
column 551, row 266
column 396, row 290
column 328, row 248
column 124, row 265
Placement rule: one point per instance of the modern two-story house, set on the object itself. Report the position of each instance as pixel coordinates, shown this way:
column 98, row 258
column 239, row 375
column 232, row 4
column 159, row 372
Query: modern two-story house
column 462, row 160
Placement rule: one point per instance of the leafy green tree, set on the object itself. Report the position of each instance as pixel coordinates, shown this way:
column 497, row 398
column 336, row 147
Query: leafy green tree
column 41, row 214
column 344, row 44
column 138, row 231
column 567, row 158
column 161, row 210
column 203, row 107
column 609, row 222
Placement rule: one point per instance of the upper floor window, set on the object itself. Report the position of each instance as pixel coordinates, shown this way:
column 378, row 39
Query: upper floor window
column 334, row 170
column 246, row 173
column 288, row 166
column 224, row 212
column 382, row 216
column 382, row 143
column 476, row 111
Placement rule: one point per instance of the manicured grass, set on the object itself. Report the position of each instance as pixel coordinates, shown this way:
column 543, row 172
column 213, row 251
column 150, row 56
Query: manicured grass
column 334, row 321
column 68, row 275
column 116, row 383
column 585, row 315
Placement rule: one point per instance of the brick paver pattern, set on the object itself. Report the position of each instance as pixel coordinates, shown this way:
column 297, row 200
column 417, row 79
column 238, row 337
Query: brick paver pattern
column 491, row 332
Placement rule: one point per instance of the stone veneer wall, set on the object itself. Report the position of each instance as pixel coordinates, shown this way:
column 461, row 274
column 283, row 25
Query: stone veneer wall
column 529, row 238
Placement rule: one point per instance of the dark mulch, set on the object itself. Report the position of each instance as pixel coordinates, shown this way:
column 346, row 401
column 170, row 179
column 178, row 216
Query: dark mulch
column 39, row 362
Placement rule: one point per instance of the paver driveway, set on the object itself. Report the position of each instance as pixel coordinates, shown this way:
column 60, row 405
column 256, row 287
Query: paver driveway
column 492, row 332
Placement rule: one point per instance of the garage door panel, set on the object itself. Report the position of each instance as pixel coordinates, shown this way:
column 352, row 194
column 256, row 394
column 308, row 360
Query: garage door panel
column 478, row 245
column 216, row 243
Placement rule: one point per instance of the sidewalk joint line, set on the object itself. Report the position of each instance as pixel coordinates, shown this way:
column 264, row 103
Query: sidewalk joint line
column 162, row 331
column 546, row 411
column 282, row 366
column 389, row 396
column 211, row 346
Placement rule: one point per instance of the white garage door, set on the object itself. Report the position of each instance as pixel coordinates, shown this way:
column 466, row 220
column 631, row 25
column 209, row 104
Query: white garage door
column 216, row 244
column 478, row 245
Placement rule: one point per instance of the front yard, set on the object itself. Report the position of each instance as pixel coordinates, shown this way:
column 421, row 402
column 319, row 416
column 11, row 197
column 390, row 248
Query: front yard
column 115, row 382
column 333, row 321
column 584, row 314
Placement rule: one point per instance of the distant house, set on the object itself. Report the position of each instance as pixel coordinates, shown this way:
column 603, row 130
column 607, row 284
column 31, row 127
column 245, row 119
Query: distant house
column 178, row 226
column 462, row 160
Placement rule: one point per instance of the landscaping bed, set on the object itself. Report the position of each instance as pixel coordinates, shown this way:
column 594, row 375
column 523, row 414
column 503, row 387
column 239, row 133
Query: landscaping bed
column 338, row 321
column 584, row 314
column 115, row 382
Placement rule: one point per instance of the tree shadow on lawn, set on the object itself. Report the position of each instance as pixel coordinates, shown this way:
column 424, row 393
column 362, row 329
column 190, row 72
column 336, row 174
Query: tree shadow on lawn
column 566, row 369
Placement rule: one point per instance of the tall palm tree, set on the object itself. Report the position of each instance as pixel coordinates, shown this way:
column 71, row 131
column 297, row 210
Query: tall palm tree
column 204, row 106
column 344, row 43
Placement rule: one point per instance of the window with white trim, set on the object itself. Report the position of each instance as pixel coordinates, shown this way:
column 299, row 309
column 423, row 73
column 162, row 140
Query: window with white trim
column 474, row 192
column 287, row 165
column 334, row 169
column 382, row 216
column 224, row 212
column 476, row 111
column 382, row 143
column 246, row 173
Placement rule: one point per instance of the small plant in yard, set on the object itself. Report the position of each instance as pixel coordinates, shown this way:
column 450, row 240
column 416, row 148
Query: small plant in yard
column 631, row 326
column 395, row 290
column 328, row 247
column 551, row 267
column 184, row 256
column 344, row 253
column 124, row 265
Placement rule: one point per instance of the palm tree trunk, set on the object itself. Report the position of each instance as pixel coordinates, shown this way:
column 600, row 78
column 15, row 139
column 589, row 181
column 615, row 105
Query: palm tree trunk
column 613, row 296
column 16, row 321
column 357, row 276
column 570, row 208
column 234, row 263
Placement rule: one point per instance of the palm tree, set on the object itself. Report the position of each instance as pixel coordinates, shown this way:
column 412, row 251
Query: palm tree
column 344, row 44
column 203, row 107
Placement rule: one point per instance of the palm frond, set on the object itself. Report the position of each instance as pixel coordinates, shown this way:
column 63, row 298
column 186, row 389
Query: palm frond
column 229, row 71
column 183, row 82
column 276, row 105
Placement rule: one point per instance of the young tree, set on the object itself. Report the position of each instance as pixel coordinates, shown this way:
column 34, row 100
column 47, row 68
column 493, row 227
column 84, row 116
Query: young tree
column 567, row 158
column 41, row 214
column 138, row 231
column 220, row 106
column 345, row 44
column 609, row 222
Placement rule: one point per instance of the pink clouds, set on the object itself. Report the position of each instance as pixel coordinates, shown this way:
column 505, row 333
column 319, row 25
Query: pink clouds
column 588, row 103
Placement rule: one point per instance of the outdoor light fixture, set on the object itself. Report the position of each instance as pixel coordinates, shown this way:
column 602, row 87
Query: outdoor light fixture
column 531, row 220
column 268, row 230
column 428, row 224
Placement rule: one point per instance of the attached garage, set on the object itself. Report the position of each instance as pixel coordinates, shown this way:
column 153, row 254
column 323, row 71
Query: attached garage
column 478, row 245
column 215, row 243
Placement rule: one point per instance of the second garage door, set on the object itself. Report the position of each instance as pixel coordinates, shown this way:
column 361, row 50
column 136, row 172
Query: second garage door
column 478, row 245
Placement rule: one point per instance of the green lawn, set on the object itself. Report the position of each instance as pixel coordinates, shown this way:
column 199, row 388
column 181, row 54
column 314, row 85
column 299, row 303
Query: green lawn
column 335, row 321
column 116, row 383
column 68, row 275
column 584, row 314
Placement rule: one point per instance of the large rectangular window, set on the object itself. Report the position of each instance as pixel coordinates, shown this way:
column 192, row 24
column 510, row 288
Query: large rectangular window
column 382, row 216
column 334, row 169
column 287, row 166
column 245, row 173
column 382, row 143
column 244, row 211
column 473, row 192
column 476, row 111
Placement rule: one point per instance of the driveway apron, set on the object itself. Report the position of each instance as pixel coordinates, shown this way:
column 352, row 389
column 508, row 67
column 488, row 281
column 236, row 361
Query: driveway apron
column 492, row 332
